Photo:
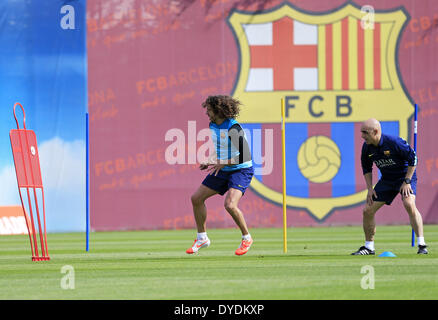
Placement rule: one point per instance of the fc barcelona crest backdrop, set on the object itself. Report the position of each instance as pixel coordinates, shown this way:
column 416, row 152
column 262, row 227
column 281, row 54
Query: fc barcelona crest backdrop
column 336, row 63
column 334, row 71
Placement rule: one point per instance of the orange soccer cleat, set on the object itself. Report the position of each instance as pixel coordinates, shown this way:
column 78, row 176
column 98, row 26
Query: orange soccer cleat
column 244, row 247
column 198, row 244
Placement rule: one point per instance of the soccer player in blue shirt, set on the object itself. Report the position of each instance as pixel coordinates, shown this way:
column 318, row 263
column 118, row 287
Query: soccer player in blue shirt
column 396, row 161
column 230, row 170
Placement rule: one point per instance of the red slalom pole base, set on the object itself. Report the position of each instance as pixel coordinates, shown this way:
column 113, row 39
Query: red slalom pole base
column 40, row 258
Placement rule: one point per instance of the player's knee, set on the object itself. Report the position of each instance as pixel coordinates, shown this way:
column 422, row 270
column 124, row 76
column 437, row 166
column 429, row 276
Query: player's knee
column 196, row 199
column 230, row 205
column 409, row 204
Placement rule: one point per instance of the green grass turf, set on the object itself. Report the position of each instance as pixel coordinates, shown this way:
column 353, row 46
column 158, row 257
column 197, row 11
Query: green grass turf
column 154, row 265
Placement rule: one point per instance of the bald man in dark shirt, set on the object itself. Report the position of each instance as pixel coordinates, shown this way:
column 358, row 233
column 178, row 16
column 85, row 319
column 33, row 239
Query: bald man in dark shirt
column 396, row 161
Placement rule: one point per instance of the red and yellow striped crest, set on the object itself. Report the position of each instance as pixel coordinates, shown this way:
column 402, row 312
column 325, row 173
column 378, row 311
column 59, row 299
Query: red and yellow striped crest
column 351, row 57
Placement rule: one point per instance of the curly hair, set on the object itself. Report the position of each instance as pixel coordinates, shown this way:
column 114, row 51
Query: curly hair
column 224, row 106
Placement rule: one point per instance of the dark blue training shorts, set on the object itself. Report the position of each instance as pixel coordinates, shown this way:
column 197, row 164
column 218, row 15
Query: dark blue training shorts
column 387, row 190
column 237, row 179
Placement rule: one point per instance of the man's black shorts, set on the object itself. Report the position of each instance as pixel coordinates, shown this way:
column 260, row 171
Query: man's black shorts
column 387, row 190
column 238, row 179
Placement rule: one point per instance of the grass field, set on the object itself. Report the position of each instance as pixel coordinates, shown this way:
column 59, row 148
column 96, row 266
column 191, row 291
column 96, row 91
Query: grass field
column 153, row 265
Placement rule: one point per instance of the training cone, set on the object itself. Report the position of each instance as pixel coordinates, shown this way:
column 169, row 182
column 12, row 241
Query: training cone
column 387, row 254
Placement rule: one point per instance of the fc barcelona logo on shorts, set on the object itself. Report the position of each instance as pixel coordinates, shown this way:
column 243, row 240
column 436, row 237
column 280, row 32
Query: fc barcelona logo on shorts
column 334, row 73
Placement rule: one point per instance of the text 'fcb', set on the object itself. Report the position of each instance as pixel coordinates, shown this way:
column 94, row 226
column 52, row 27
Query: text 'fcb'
column 318, row 106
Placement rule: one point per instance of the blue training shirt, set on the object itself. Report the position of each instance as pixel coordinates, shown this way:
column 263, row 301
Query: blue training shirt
column 225, row 149
column 392, row 156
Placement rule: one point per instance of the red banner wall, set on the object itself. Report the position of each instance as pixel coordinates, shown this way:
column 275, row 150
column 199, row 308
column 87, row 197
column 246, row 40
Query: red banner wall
column 152, row 63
